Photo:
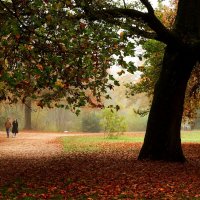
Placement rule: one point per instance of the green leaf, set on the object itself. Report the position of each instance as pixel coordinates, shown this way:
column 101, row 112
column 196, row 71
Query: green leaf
column 116, row 83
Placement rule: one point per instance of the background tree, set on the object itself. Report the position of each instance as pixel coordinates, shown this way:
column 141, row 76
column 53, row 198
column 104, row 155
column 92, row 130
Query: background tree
column 27, row 112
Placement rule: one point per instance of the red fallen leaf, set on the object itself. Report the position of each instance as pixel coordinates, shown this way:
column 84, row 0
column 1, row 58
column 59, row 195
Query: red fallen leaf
column 62, row 192
column 24, row 194
column 44, row 196
column 52, row 188
column 10, row 189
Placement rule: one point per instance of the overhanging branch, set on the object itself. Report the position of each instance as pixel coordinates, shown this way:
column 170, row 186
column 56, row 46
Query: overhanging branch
column 134, row 30
column 117, row 13
column 163, row 34
column 142, row 33
column 147, row 4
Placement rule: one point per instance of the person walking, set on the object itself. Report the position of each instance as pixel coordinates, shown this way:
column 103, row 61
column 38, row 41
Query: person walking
column 15, row 127
column 8, row 126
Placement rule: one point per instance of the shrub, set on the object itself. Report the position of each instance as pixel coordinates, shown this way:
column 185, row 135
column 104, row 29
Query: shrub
column 113, row 124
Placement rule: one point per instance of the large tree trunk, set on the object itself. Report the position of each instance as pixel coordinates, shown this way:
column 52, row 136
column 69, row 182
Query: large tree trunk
column 162, row 140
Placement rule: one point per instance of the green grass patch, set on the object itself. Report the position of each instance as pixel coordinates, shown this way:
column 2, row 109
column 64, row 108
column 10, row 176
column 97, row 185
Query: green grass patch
column 96, row 143
column 190, row 136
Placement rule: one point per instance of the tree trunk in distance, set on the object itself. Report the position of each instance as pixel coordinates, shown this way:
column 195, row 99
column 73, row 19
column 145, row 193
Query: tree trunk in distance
column 27, row 125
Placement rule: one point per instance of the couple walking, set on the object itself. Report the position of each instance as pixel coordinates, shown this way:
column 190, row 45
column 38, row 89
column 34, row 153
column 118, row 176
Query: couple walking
column 14, row 126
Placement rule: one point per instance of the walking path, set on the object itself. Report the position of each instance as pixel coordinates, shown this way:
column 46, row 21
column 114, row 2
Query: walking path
column 31, row 144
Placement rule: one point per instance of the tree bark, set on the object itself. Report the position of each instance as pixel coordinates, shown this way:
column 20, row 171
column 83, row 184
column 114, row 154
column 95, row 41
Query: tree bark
column 162, row 140
column 27, row 125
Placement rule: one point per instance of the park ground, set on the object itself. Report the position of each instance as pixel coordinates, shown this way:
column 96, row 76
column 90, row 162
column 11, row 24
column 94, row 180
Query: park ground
column 37, row 166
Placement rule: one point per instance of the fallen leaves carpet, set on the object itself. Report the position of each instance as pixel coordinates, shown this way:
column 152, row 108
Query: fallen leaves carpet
column 34, row 166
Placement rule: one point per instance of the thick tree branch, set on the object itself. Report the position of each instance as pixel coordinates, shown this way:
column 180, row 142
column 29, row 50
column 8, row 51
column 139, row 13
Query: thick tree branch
column 90, row 13
column 163, row 34
column 145, row 34
column 148, row 6
column 134, row 30
column 117, row 13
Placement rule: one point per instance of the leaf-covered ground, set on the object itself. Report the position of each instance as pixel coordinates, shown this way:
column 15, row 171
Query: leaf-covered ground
column 33, row 166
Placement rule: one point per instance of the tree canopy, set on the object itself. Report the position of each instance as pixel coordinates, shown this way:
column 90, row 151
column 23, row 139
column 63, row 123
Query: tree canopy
column 56, row 49
column 49, row 52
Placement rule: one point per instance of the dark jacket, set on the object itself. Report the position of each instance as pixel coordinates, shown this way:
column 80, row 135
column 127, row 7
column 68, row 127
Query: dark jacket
column 15, row 126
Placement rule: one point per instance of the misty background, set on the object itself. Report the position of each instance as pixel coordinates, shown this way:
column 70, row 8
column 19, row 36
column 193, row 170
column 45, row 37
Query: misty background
column 89, row 119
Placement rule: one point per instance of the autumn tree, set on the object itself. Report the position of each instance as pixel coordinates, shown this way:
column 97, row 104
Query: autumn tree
column 69, row 45
column 153, row 52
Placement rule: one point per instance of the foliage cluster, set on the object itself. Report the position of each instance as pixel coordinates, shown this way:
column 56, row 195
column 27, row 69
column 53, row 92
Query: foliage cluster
column 49, row 53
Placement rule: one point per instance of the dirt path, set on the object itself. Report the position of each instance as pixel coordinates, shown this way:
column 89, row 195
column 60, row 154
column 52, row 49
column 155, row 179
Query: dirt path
column 31, row 144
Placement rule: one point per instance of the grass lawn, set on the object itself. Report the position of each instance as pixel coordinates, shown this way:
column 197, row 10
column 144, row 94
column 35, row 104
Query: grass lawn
column 94, row 142
column 190, row 136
